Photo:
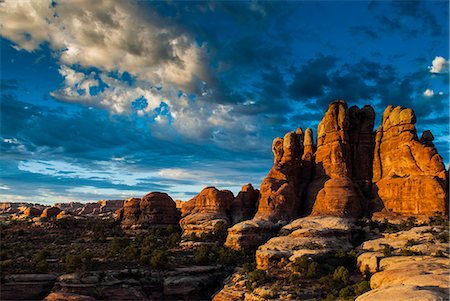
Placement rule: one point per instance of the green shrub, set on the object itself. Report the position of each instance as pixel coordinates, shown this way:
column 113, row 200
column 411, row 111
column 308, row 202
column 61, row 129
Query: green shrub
column 173, row 240
column 313, row 246
column 118, row 244
column 293, row 278
column 411, row 242
column 86, row 260
column 40, row 261
column 367, row 273
column 437, row 220
column 361, row 287
column 202, row 255
column 258, row 276
column 444, row 237
column 73, row 262
column 312, row 270
column 388, row 250
column 409, row 252
column 42, row 266
column 248, row 267
column 346, row 292
column 439, row 253
column 341, row 274
column 159, row 260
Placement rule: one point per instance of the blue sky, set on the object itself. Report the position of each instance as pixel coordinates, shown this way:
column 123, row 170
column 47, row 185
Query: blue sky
column 112, row 99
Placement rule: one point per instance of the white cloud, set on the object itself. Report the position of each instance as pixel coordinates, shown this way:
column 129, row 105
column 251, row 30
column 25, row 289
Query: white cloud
column 439, row 65
column 428, row 93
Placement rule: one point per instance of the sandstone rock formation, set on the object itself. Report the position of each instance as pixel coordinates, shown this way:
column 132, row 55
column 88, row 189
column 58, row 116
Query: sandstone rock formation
column 72, row 207
column 50, row 212
column 310, row 236
column 205, row 210
column 395, row 275
column 244, row 205
column 250, row 234
column 409, row 175
column 333, row 191
column 280, row 190
column 154, row 209
column 31, row 212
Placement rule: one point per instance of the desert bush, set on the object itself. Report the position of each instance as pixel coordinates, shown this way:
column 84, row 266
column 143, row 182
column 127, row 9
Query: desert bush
column 73, row 262
column 159, row 259
column 341, row 274
column 361, row 287
column 443, row 237
column 411, row 242
column 439, row 253
column 438, row 220
column 248, row 267
column 173, row 240
column 258, row 276
column 388, row 250
column 202, row 255
column 118, row 244
column 313, row 246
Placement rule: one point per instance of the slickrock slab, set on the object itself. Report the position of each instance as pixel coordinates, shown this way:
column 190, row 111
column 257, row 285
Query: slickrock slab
column 309, row 236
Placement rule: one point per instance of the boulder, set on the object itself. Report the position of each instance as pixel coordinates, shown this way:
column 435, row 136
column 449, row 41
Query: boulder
column 250, row 234
column 244, row 205
column 154, row 209
column 310, row 236
column 409, row 176
column 203, row 212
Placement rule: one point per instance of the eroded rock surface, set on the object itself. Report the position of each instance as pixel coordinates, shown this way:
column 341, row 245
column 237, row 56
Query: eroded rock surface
column 310, row 236
column 399, row 276
column 408, row 174
column 202, row 213
column 333, row 191
column 153, row 210
column 244, row 205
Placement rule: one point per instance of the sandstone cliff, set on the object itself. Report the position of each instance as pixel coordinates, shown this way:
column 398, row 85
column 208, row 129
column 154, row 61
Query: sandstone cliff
column 408, row 174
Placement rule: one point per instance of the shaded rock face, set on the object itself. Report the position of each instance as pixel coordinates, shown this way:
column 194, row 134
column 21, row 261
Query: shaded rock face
column 31, row 212
column 333, row 191
column 205, row 210
column 243, row 206
column 50, row 212
column 409, row 176
column 282, row 189
column 154, row 209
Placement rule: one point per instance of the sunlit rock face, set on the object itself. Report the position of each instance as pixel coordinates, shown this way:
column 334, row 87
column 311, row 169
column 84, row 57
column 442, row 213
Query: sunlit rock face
column 205, row 210
column 281, row 190
column 408, row 174
column 333, row 190
column 154, row 209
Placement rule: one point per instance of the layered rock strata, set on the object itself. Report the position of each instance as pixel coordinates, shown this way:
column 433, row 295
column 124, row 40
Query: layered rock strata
column 154, row 209
column 205, row 211
column 408, row 174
